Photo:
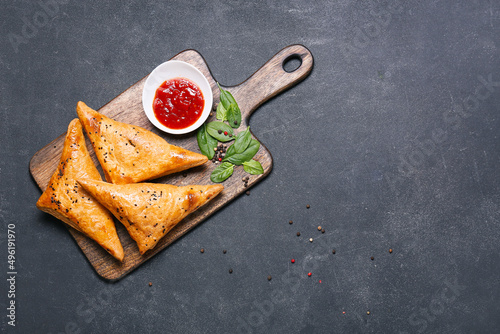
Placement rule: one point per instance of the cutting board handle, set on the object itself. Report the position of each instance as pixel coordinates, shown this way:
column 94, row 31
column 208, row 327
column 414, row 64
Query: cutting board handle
column 272, row 78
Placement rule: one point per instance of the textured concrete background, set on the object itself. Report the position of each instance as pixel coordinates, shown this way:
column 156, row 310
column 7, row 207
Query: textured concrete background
column 392, row 140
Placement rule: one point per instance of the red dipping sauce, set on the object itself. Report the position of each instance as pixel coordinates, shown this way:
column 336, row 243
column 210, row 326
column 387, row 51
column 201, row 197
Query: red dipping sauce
column 178, row 103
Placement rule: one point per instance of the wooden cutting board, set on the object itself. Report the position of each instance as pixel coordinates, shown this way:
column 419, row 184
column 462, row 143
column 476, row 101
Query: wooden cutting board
column 268, row 81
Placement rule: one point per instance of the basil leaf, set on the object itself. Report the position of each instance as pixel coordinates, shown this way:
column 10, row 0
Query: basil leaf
column 222, row 172
column 230, row 151
column 225, row 97
column 234, row 115
column 233, row 112
column 206, row 143
column 242, row 141
column 240, row 158
column 221, row 113
column 213, row 130
column 253, row 167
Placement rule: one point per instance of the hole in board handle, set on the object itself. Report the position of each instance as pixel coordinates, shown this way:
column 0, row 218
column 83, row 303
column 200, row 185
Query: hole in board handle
column 292, row 63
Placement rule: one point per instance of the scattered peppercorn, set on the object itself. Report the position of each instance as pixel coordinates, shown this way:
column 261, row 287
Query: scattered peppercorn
column 322, row 230
column 248, row 192
column 219, row 131
column 202, row 250
column 298, row 234
column 319, row 228
column 309, row 274
column 224, row 251
column 367, row 312
column 290, row 222
column 235, row 122
column 225, row 133
column 390, row 250
column 293, row 260
column 230, row 271
column 308, row 206
column 333, row 251
column 184, row 174
column 220, row 152
column 269, row 278
column 150, row 284
column 372, row 258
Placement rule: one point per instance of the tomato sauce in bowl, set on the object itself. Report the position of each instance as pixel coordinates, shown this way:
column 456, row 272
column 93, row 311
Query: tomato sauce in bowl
column 178, row 103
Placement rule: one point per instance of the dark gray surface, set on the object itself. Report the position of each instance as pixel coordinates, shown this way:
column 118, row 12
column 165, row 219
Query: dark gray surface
column 376, row 140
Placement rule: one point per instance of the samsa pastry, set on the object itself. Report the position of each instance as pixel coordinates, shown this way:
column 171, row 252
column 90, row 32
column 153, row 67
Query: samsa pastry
column 130, row 154
column 66, row 200
column 150, row 210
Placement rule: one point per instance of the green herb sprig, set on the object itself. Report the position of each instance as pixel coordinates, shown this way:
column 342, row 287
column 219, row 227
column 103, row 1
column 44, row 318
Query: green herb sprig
column 241, row 152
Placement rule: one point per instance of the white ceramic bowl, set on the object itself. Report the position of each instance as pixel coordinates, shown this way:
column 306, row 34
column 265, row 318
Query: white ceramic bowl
column 169, row 70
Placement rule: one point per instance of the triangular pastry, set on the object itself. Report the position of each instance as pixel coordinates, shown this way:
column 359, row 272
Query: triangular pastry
column 66, row 200
column 129, row 153
column 150, row 210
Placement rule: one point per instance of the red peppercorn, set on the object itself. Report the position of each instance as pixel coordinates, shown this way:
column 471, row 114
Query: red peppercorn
column 225, row 133
column 293, row 260
column 310, row 274
column 220, row 159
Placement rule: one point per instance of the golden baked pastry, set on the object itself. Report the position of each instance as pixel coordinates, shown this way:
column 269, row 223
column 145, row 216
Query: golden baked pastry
column 66, row 200
column 129, row 153
column 150, row 210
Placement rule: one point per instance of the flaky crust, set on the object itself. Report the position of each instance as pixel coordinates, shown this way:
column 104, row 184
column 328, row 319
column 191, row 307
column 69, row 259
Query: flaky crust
column 129, row 153
column 150, row 210
column 66, row 200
